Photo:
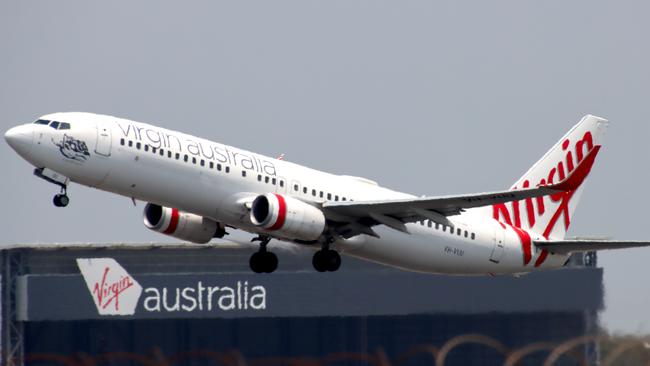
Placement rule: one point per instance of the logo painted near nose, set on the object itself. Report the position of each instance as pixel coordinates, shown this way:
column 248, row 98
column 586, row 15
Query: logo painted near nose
column 72, row 148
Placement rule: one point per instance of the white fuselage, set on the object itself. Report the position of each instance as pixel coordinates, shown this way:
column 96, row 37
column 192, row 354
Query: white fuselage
column 216, row 177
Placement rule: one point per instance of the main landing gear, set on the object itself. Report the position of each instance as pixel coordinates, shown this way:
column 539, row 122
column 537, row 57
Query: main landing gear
column 326, row 259
column 263, row 261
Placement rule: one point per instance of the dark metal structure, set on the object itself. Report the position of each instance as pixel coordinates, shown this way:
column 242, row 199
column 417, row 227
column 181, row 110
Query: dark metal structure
column 201, row 305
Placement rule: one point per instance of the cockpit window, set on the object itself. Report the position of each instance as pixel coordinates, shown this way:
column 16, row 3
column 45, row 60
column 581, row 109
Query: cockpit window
column 54, row 124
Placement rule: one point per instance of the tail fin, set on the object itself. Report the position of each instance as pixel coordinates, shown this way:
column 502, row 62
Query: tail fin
column 550, row 216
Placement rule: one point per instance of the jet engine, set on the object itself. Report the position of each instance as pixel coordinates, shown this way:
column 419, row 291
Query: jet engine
column 287, row 217
column 181, row 225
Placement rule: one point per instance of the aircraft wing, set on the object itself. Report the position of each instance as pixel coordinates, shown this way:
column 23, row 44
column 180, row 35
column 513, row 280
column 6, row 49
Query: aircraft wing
column 395, row 213
column 356, row 217
column 572, row 246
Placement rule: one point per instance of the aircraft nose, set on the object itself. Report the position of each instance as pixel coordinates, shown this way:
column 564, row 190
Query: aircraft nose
column 20, row 138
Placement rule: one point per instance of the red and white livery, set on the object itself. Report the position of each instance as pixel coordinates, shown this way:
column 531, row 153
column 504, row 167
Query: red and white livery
column 518, row 230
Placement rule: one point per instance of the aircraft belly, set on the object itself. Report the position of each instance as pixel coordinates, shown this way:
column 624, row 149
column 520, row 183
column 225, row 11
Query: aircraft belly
column 183, row 187
column 443, row 253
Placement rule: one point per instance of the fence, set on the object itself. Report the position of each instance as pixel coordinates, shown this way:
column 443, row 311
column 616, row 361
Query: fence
column 567, row 351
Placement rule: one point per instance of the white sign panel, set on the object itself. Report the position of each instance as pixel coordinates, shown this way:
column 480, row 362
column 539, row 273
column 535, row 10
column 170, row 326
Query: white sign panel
column 113, row 290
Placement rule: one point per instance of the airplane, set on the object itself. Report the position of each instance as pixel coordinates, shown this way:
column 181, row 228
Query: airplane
column 197, row 190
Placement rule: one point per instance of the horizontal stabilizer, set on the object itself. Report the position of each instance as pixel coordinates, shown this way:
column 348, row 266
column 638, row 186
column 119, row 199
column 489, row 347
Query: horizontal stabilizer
column 587, row 245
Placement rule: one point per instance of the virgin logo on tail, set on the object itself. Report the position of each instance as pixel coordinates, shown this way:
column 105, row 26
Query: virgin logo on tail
column 113, row 290
column 585, row 154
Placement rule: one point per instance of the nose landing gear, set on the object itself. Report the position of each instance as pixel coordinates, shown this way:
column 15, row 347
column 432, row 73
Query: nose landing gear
column 61, row 199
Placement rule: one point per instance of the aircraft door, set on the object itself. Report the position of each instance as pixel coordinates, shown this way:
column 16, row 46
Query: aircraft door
column 104, row 139
column 497, row 251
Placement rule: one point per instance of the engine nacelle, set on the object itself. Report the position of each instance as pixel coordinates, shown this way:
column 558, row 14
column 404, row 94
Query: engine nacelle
column 287, row 217
column 181, row 225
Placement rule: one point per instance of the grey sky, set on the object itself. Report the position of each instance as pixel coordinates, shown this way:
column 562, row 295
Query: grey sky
column 425, row 97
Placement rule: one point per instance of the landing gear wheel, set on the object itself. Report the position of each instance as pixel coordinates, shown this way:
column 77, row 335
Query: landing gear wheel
column 256, row 263
column 319, row 261
column 326, row 260
column 263, row 261
column 270, row 262
column 61, row 200
column 333, row 261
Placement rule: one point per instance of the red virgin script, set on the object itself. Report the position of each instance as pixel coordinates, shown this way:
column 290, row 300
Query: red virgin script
column 107, row 292
column 585, row 154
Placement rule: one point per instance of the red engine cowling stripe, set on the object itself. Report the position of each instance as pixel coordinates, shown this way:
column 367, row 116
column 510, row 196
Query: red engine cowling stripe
column 173, row 222
column 282, row 213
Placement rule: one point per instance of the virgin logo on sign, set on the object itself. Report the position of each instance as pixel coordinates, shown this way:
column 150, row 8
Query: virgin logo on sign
column 113, row 290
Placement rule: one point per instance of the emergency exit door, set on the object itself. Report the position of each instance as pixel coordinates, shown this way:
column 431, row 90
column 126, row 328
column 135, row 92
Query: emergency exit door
column 497, row 250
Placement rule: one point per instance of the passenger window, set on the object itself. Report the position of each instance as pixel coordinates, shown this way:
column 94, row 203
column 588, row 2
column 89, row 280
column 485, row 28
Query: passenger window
column 321, row 194
column 329, row 196
column 295, row 187
column 437, row 226
column 138, row 145
column 243, row 173
column 153, row 149
column 266, row 179
column 146, row 147
column 186, row 158
column 211, row 165
column 193, row 160
column 465, row 233
column 218, row 167
column 122, row 142
column 473, row 236
column 273, row 181
column 304, row 190
column 259, row 177
column 169, row 154
column 227, row 169
column 202, row 162
column 42, row 122
column 429, row 223
column 281, row 183
column 458, row 231
column 178, row 156
column 313, row 192
column 344, row 199
column 162, row 152
column 54, row 125
column 336, row 198
column 64, row 126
